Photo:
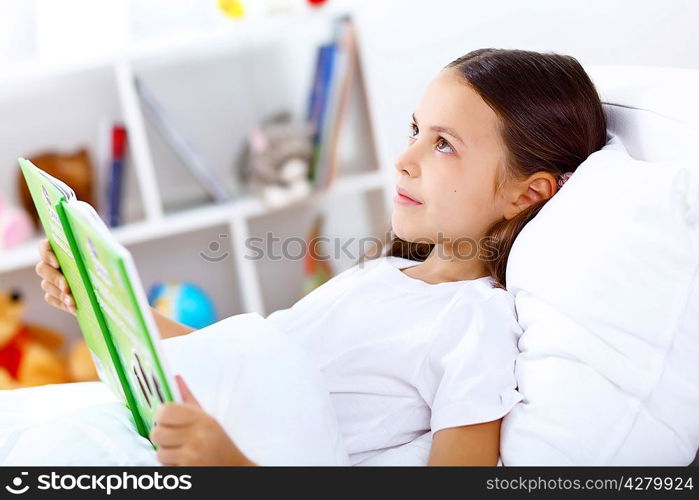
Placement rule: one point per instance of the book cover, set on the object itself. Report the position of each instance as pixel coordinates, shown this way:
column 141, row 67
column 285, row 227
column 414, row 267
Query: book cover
column 343, row 75
column 114, row 194
column 317, row 268
column 163, row 123
column 48, row 194
column 319, row 102
column 111, row 305
column 120, row 297
column 315, row 103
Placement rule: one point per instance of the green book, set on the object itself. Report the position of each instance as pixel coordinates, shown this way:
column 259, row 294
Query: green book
column 111, row 306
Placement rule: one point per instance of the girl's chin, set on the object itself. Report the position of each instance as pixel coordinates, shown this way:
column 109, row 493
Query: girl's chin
column 403, row 231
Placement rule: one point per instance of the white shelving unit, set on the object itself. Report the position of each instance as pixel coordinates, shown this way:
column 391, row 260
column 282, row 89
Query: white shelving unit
column 215, row 86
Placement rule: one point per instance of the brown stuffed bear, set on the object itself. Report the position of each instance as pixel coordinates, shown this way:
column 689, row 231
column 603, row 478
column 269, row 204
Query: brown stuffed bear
column 31, row 355
column 74, row 169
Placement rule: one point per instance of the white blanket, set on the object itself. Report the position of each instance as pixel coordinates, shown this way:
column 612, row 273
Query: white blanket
column 69, row 424
column 251, row 377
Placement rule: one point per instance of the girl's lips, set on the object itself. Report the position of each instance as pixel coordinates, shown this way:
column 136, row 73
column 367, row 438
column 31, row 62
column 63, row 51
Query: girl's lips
column 404, row 200
column 403, row 197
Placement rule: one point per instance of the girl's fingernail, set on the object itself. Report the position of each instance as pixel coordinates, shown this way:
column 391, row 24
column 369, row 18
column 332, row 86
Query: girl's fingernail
column 67, row 301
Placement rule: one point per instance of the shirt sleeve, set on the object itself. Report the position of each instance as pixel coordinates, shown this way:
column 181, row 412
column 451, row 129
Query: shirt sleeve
column 467, row 376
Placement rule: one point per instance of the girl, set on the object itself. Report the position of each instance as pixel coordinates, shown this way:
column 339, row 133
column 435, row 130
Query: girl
column 425, row 337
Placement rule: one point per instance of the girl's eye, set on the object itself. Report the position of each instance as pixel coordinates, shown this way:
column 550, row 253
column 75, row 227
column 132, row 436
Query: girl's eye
column 413, row 131
column 443, row 143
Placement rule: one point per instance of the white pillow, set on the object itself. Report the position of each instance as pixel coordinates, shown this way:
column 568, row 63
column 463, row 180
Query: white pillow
column 606, row 289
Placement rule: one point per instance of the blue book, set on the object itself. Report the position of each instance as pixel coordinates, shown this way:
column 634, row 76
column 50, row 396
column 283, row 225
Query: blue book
column 326, row 165
column 316, row 87
column 115, row 181
column 319, row 99
column 318, row 92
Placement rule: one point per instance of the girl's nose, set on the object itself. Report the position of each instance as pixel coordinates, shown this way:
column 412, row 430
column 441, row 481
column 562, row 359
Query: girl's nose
column 406, row 164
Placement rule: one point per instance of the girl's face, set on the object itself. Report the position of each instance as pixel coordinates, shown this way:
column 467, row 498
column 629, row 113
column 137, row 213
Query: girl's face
column 449, row 166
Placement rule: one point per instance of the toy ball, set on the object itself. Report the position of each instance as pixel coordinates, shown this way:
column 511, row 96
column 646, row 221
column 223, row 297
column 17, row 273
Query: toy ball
column 183, row 302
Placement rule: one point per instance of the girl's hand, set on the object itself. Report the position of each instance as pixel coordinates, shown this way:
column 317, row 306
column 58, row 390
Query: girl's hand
column 186, row 435
column 53, row 282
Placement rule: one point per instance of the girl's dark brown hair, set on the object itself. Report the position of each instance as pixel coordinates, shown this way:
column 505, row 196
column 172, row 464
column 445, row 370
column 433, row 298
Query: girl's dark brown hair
column 551, row 121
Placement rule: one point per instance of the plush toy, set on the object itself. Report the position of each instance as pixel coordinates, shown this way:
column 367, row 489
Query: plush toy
column 275, row 161
column 81, row 368
column 31, row 355
column 74, row 169
column 15, row 226
column 232, row 8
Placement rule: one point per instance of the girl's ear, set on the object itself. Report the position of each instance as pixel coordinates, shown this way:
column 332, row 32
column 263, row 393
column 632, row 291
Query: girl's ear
column 539, row 186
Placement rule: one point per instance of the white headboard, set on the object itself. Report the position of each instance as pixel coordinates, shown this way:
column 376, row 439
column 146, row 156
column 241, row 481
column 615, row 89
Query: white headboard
column 655, row 111
column 404, row 43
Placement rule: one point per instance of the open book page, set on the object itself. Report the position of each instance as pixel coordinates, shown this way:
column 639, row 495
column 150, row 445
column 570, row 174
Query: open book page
column 126, row 312
column 49, row 194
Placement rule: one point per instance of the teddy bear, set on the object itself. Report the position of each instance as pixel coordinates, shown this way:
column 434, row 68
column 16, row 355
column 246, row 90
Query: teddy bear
column 31, row 355
column 75, row 169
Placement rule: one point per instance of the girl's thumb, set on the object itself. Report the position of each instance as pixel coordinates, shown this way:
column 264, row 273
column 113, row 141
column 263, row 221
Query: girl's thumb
column 187, row 396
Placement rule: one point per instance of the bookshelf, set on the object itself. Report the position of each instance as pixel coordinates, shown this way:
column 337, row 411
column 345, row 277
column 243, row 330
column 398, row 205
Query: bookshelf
column 216, row 86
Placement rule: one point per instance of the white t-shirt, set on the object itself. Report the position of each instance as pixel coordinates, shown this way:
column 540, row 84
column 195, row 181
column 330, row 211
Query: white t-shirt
column 401, row 356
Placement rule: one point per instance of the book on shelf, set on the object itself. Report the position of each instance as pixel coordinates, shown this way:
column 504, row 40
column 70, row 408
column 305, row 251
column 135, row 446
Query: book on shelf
column 164, row 125
column 111, row 305
column 116, row 175
column 317, row 268
column 319, row 99
column 336, row 66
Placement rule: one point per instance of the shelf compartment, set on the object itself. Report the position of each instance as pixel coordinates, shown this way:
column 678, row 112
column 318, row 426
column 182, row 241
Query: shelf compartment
column 203, row 257
column 63, row 115
column 358, row 195
column 212, row 102
column 27, row 254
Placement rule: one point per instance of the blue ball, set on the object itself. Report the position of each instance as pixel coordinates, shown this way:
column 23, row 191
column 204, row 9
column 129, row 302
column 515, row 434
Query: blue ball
column 183, row 302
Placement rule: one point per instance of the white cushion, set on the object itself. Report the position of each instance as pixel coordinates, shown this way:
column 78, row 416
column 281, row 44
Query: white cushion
column 606, row 290
column 668, row 93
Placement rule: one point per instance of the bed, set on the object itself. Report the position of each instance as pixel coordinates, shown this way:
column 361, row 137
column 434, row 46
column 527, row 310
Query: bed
column 654, row 112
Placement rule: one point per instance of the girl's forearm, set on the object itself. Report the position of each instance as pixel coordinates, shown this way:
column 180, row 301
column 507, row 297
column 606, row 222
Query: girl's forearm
column 169, row 328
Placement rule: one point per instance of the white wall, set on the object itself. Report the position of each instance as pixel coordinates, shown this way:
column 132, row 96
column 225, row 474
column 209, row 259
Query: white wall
column 404, row 43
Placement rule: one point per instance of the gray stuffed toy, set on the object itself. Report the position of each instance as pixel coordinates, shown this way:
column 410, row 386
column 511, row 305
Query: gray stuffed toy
column 275, row 160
